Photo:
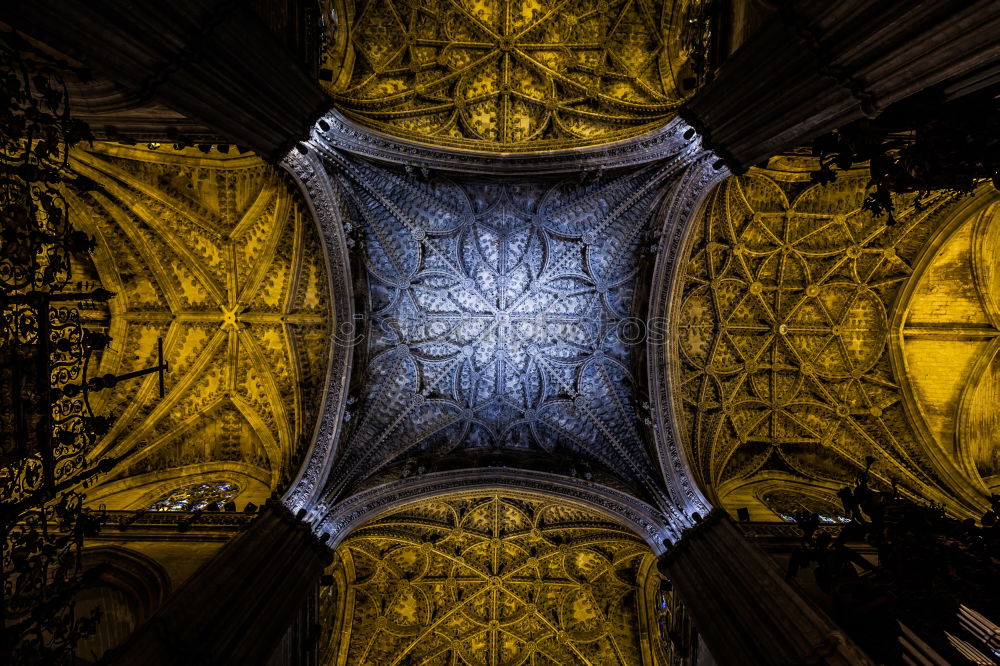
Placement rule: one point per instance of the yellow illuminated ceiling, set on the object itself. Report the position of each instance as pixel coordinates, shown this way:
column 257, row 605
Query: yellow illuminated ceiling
column 783, row 380
column 218, row 257
column 950, row 336
column 509, row 75
column 488, row 580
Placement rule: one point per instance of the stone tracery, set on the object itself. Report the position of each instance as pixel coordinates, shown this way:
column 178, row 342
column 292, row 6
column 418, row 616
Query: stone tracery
column 489, row 580
column 510, row 76
column 499, row 318
column 783, row 368
column 217, row 257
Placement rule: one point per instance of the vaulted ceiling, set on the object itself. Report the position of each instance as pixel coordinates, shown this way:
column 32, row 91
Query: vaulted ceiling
column 508, row 75
column 218, row 257
column 810, row 334
column 500, row 325
column 497, row 326
column 489, row 580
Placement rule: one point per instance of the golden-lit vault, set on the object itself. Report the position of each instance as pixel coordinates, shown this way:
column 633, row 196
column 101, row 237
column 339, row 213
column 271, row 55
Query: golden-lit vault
column 950, row 332
column 508, row 75
column 488, row 580
column 789, row 366
column 219, row 257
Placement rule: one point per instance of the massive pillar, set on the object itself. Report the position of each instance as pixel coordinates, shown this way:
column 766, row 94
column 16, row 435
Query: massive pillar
column 239, row 607
column 747, row 613
column 815, row 66
column 214, row 62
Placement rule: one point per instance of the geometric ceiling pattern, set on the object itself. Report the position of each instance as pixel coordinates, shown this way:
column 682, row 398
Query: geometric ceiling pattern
column 783, row 376
column 950, row 336
column 509, row 75
column 219, row 258
column 485, row 581
column 498, row 322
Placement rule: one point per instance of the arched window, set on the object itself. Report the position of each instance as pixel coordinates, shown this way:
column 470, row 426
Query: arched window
column 198, row 496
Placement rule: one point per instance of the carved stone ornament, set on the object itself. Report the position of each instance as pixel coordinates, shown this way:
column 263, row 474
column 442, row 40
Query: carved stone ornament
column 344, row 134
column 497, row 310
column 779, row 358
column 647, row 521
column 678, row 215
column 509, row 77
column 312, row 178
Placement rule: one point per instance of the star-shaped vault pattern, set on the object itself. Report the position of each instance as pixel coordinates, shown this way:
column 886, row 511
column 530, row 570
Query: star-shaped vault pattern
column 510, row 75
column 488, row 581
column 784, row 378
column 500, row 318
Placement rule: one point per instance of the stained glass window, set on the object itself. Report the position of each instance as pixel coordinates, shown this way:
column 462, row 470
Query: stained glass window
column 198, row 496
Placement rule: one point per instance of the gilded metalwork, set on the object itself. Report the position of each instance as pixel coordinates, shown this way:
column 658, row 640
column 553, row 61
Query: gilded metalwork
column 781, row 336
column 488, row 580
column 505, row 76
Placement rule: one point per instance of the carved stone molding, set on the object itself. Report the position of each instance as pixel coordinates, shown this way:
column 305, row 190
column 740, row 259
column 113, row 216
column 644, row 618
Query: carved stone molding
column 672, row 141
column 678, row 214
column 339, row 520
column 312, row 178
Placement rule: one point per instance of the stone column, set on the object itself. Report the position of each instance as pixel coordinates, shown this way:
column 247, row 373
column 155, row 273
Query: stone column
column 816, row 65
column 214, row 62
column 747, row 613
column 300, row 644
column 238, row 607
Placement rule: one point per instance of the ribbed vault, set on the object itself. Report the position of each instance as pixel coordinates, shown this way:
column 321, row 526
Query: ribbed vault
column 785, row 376
column 509, row 75
column 488, row 580
column 218, row 257
column 501, row 326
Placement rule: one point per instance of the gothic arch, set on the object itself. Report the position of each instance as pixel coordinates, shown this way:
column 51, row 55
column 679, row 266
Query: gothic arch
column 951, row 404
column 494, row 576
column 646, row 521
column 768, row 498
column 678, row 217
column 314, row 184
column 126, row 586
